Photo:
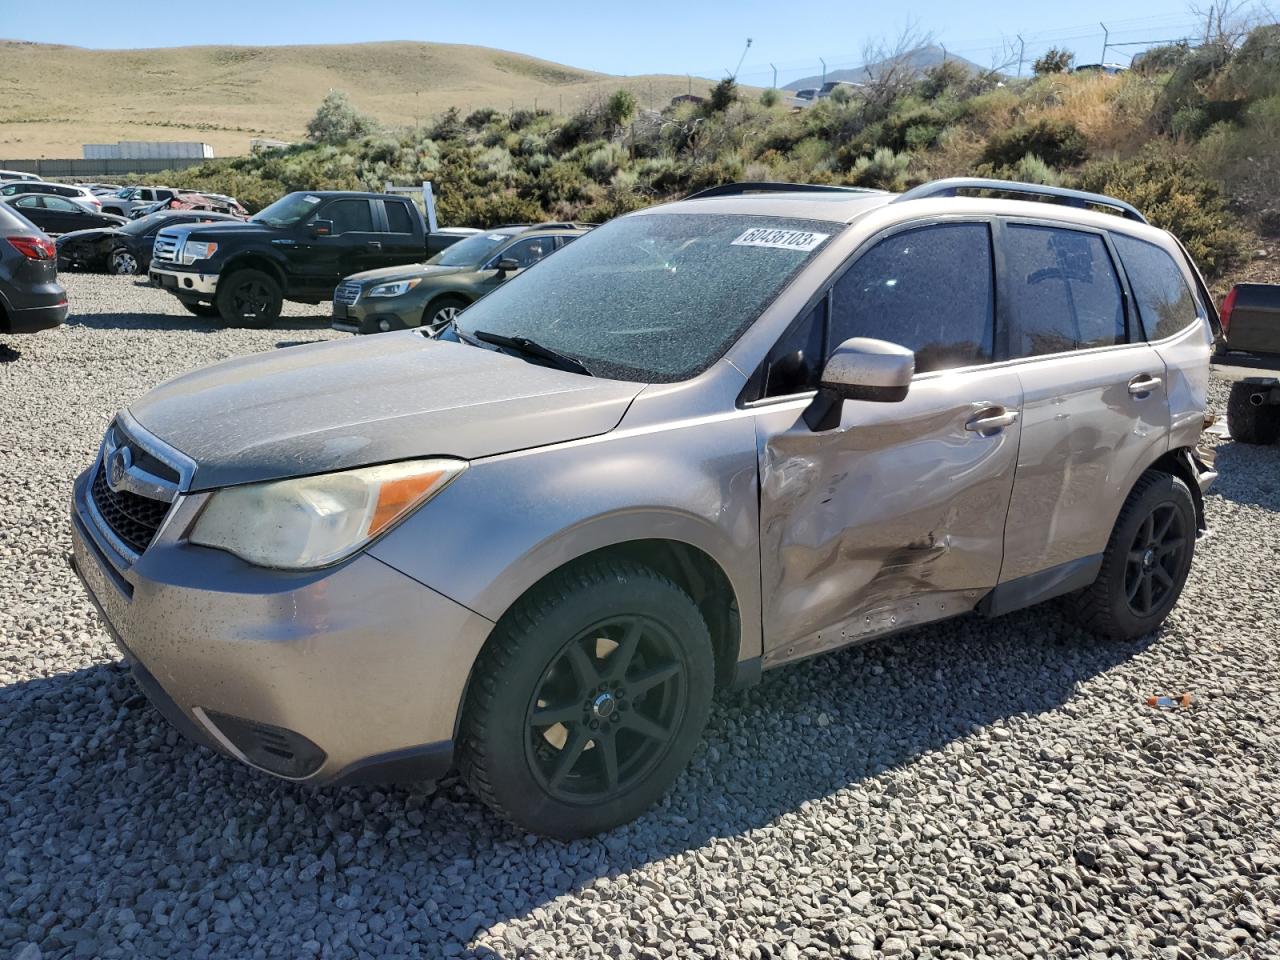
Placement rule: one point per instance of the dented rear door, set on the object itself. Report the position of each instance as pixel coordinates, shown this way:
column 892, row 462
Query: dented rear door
column 894, row 518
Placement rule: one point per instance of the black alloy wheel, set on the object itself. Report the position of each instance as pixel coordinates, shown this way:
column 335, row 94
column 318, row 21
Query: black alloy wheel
column 606, row 710
column 1155, row 557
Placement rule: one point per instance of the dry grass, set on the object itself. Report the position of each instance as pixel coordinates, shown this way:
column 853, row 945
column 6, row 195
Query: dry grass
column 55, row 98
column 1112, row 112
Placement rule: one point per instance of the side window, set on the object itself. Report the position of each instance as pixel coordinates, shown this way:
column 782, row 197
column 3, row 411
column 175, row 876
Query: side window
column 62, row 204
column 32, row 201
column 398, row 219
column 795, row 362
column 527, row 252
column 1165, row 302
column 1063, row 291
column 929, row 289
column 146, row 195
column 349, row 216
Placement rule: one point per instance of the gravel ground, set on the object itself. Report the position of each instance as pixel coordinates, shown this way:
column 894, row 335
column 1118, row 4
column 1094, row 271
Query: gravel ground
column 976, row 788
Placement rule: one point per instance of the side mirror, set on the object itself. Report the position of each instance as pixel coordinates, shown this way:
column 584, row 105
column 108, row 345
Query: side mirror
column 322, row 228
column 861, row 368
column 508, row 265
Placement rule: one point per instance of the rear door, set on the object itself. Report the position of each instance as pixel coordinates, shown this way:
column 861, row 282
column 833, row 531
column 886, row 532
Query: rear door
column 896, row 516
column 1095, row 407
column 401, row 242
column 32, row 207
column 1176, row 323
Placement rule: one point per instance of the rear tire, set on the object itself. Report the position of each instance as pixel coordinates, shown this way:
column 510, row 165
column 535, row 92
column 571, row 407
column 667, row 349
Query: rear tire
column 588, row 700
column 1250, row 424
column 249, row 298
column 1146, row 561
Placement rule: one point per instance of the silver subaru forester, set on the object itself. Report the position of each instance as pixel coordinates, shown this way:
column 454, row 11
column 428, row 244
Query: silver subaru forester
column 707, row 439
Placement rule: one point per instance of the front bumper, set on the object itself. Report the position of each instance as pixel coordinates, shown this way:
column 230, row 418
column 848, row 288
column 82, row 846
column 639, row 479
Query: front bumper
column 357, row 671
column 372, row 317
column 183, row 282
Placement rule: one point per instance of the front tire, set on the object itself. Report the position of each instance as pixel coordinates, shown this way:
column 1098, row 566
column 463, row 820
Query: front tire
column 1146, row 562
column 122, row 263
column 440, row 313
column 249, row 298
column 1248, row 423
column 588, row 700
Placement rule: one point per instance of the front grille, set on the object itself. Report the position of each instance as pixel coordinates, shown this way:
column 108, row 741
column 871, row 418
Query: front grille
column 347, row 293
column 166, row 248
column 132, row 518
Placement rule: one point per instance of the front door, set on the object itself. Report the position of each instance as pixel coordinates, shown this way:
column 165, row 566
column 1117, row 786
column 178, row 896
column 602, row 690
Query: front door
column 896, row 516
column 1095, row 407
column 352, row 246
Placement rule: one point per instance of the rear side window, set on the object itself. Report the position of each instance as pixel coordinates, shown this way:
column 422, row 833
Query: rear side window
column 350, row 216
column 1063, row 291
column 1165, row 302
column 398, row 219
column 929, row 289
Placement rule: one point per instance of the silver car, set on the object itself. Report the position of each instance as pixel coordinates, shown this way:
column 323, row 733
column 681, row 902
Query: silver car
column 707, row 439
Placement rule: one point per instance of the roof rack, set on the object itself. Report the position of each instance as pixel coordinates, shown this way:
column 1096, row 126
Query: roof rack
column 765, row 186
column 1073, row 198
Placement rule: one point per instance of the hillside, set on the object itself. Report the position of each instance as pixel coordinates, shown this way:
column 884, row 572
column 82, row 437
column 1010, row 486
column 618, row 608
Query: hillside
column 917, row 61
column 55, row 98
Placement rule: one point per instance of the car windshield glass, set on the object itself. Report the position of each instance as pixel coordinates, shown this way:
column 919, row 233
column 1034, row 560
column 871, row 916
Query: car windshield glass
column 470, row 252
column 288, row 210
column 655, row 298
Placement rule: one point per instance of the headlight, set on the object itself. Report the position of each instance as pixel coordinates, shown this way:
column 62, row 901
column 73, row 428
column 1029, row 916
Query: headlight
column 314, row 521
column 393, row 289
column 194, row 250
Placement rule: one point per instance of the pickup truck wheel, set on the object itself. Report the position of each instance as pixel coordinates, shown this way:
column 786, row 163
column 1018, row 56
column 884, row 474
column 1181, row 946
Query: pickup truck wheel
column 1146, row 561
column 440, row 313
column 1248, row 423
column 123, row 263
column 249, row 298
column 588, row 700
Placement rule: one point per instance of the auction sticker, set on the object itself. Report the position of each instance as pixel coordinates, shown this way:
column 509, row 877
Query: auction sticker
column 802, row 240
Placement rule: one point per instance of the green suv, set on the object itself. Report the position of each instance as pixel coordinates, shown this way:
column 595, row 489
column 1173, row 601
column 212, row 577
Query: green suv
column 431, row 294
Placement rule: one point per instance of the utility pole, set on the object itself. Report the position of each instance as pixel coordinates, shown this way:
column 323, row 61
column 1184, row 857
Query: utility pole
column 1022, row 48
column 690, row 76
column 944, row 52
column 824, row 71
column 1106, row 40
column 775, row 76
column 738, row 68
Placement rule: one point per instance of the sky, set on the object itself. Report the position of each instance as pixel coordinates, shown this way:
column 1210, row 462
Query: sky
column 656, row 36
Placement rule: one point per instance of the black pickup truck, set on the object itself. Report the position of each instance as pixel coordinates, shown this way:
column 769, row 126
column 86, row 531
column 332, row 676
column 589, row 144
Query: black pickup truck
column 299, row 248
column 1250, row 356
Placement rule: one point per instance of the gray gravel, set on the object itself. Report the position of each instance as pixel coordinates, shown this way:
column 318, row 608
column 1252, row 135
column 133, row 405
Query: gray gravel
column 977, row 788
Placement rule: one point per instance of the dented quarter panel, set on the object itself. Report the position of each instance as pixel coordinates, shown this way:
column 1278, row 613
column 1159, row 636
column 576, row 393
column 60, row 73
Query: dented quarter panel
column 894, row 518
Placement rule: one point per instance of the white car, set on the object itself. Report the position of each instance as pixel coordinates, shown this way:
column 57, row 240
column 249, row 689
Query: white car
column 6, row 175
column 81, row 195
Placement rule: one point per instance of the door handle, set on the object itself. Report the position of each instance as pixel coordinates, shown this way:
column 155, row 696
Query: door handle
column 375, row 245
column 1142, row 385
column 992, row 420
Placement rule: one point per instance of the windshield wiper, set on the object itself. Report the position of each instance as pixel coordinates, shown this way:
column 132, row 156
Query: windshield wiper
column 531, row 348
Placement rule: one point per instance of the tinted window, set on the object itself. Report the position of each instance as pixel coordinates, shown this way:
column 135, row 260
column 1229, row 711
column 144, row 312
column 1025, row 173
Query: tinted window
column 928, row 289
column 398, row 218
column 795, row 362
column 527, row 252
column 1165, row 302
column 349, row 216
column 61, row 203
column 1063, row 291
column 29, row 202
column 654, row 297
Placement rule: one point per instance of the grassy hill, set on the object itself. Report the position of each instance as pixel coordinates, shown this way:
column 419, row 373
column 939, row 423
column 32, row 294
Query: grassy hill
column 55, row 98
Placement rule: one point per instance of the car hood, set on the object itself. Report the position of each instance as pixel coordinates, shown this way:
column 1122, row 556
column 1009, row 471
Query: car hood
column 344, row 404
column 224, row 227
column 97, row 233
column 406, row 272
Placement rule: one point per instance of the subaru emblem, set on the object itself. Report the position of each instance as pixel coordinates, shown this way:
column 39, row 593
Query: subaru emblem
column 117, row 467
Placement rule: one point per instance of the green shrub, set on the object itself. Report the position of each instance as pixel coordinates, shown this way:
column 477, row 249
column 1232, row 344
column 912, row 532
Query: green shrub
column 770, row 97
column 1054, row 60
column 1058, row 142
column 620, row 107
column 884, row 169
column 1173, row 192
column 337, row 121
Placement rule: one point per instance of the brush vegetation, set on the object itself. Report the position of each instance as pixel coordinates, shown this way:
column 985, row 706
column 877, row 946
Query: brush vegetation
column 1192, row 137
